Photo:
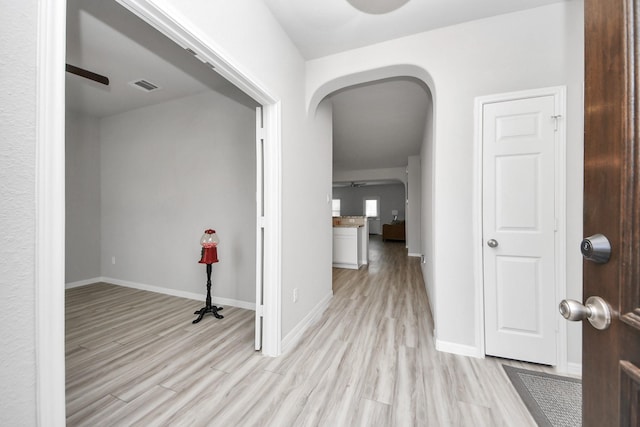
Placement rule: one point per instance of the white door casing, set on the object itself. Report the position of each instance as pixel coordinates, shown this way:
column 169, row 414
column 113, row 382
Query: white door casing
column 519, row 140
column 259, row 228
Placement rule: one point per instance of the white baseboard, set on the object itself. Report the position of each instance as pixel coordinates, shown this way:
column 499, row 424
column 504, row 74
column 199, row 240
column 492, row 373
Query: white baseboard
column 415, row 255
column 342, row 265
column 460, row 349
column 574, row 369
column 166, row 291
column 470, row 351
column 86, row 282
column 314, row 315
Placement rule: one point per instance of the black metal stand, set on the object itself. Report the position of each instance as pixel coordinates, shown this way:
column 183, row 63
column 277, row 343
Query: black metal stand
column 208, row 308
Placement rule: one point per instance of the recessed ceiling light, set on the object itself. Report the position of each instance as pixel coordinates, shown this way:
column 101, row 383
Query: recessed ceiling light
column 377, row 7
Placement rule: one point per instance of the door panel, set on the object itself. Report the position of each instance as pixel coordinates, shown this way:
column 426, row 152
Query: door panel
column 630, row 394
column 612, row 207
column 519, row 215
column 520, row 319
column 517, row 202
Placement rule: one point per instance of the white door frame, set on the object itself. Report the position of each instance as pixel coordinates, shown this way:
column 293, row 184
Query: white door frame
column 559, row 94
column 50, row 190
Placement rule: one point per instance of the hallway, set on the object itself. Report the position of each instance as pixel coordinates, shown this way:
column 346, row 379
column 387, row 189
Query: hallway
column 369, row 361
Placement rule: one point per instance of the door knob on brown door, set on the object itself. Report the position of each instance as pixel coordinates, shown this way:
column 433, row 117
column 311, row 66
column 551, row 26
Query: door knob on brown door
column 596, row 310
column 596, row 248
column 493, row 243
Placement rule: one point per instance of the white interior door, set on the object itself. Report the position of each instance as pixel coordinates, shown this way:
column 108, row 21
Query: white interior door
column 518, row 229
column 259, row 228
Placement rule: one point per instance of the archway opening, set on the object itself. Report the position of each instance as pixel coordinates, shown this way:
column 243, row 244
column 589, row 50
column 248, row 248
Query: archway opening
column 384, row 131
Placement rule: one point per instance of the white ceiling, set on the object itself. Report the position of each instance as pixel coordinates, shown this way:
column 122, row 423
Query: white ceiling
column 105, row 38
column 321, row 28
column 377, row 125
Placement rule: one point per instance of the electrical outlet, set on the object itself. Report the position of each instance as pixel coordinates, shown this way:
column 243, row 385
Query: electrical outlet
column 113, row 260
column 295, row 295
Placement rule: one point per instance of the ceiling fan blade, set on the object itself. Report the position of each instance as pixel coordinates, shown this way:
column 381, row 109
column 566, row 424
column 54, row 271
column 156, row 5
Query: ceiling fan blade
column 87, row 74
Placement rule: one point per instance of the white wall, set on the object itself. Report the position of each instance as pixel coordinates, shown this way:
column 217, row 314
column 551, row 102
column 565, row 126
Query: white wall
column 246, row 33
column 306, row 217
column 414, row 206
column 427, row 196
column 18, row 35
column 168, row 172
column 82, row 168
column 530, row 49
column 392, row 196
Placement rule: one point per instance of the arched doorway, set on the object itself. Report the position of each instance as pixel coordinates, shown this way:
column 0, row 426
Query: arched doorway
column 417, row 171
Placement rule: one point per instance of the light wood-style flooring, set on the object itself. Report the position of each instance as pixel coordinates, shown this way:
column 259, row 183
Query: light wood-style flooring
column 134, row 358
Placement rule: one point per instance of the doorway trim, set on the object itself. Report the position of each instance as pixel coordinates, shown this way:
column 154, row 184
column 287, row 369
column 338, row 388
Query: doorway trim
column 50, row 191
column 560, row 238
column 49, row 290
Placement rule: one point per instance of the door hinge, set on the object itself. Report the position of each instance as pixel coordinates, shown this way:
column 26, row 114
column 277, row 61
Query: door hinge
column 261, row 134
column 262, row 221
column 556, row 118
column 260, row 310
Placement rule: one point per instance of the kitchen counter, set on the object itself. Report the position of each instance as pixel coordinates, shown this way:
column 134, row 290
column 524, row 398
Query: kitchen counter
column 350, row 246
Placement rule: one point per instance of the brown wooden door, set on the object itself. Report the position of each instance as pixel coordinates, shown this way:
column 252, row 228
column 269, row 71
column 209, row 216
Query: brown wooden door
column 611, row 358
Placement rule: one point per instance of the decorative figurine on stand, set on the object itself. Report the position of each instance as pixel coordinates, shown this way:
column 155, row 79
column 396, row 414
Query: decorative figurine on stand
column 209, row 242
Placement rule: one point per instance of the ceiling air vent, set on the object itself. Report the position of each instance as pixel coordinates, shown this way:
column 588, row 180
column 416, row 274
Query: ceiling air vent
column 144, row 85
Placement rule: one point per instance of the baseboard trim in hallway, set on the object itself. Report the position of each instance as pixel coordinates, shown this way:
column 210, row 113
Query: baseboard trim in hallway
column 459, row 349
column 165, row 291
column 298, row 331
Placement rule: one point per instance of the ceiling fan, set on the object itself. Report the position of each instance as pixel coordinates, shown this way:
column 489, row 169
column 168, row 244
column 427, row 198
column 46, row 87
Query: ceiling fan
column 87, row 74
